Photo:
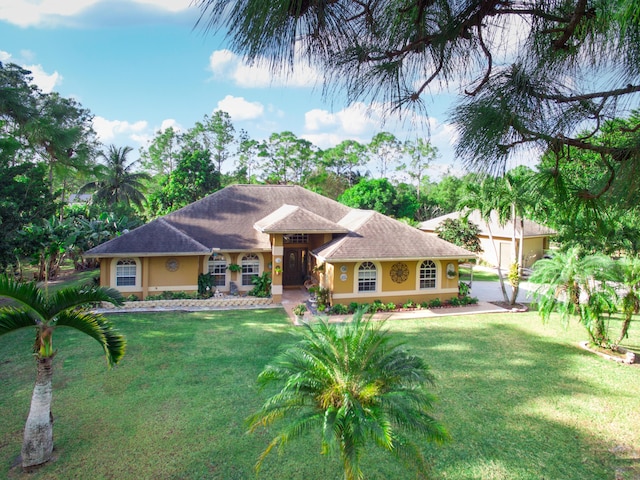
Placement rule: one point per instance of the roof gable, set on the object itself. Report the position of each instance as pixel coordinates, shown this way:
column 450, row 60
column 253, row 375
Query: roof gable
column 292, row 218
column 376, row 236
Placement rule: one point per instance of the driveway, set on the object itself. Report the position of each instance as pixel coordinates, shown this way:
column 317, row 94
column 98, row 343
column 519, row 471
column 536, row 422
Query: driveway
column 490, row 291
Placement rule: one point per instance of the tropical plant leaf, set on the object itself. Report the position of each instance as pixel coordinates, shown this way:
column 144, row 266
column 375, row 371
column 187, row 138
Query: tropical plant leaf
column 12, row 319
column 97, row 327
column 27, row 294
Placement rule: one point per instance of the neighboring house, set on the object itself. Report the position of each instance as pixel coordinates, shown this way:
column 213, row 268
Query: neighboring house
column 296, row 235
column 535, row 238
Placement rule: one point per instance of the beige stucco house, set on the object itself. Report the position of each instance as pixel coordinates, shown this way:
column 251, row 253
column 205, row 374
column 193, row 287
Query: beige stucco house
column 294, row 234
column 535, row 238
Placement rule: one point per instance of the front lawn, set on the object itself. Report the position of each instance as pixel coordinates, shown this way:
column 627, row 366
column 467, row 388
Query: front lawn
column 479, row 275
column 520, row 399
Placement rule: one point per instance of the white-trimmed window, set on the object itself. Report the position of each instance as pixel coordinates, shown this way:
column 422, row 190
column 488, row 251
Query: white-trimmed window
column 367, row 277
column 250, row 268
column 428, row 274
column 217, row 267
column 126, row 272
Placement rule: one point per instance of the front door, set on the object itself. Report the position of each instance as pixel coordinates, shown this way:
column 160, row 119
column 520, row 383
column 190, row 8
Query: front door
column 294, row 269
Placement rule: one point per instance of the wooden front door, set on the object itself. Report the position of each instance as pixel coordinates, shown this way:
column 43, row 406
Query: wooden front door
column 295, row 266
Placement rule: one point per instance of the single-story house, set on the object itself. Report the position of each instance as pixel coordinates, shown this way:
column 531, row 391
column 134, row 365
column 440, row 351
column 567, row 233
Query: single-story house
column 535, row 238
column 298, row 236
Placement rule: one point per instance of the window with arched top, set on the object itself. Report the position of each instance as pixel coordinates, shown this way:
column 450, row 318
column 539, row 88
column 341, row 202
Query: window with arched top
column 126, row 269
column 428, row 274
column 367, row 277
column 250, row 268
column 217, row 266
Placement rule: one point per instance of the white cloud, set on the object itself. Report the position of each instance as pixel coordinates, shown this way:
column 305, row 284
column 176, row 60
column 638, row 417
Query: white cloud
column 107, row 130
column 226, row 65
column 45, row 81
column 240, row 109
column 169, row 5
column 357, row 119
column 26, row 13
column 324, row 140
column 170, row 122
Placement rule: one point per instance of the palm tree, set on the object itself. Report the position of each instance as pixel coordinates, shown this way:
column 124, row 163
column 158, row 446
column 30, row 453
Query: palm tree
column 573, row 284
column 482, row 197
column 354, row 384
column 627, row 273
column 118, row 182
column 47, row 313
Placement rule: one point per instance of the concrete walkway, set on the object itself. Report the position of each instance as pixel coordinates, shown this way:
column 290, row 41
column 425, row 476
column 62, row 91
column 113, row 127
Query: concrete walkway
column 491, row 292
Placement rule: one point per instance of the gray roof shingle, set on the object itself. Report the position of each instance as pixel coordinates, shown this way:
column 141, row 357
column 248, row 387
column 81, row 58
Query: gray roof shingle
column 225, row 220
column 376, row 236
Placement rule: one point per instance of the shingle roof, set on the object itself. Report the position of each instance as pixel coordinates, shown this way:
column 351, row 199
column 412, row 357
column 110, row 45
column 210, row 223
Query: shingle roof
column 292, row 218
column 157, row 237
column 531, row 228
column 376, row 236
column 225, row 220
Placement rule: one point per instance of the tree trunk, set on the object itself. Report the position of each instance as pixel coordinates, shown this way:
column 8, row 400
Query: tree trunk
column 495, row 251
column 37, row 446
column 625, row 329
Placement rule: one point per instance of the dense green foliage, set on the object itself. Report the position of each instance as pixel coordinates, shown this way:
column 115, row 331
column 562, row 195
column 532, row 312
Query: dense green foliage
column 382, row 196
column 460, row 232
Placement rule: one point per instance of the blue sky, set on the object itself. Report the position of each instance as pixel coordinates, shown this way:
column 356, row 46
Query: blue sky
column 140, row 66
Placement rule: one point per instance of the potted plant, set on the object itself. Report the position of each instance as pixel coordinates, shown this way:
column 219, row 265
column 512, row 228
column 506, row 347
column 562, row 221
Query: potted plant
column 277, row 270
column 299, row 311
column 234, row 267
column 313, row 291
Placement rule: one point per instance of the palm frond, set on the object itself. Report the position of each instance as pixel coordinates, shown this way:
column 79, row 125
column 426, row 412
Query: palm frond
column 97, row 327
column 76, row 297
column 12, row 319
column 27, row 294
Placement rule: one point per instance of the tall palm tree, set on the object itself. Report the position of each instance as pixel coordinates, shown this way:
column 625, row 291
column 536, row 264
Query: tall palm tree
column 357, row 386
column 117, row 181
column 46, row 314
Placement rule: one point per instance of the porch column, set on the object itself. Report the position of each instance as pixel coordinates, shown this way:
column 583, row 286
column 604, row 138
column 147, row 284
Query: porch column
column 277, row 265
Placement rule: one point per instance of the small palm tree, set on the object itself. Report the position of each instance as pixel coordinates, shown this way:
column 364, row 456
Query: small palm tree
column 355, row 385
column 627, row 273
column 574, row 284
column 117, row 181
column 62, row 309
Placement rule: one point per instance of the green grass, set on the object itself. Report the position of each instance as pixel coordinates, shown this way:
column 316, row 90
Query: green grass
column 520, row 399
column 478, row 275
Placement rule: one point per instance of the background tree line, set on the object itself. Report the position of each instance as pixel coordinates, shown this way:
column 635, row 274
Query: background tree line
column 48, row 152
